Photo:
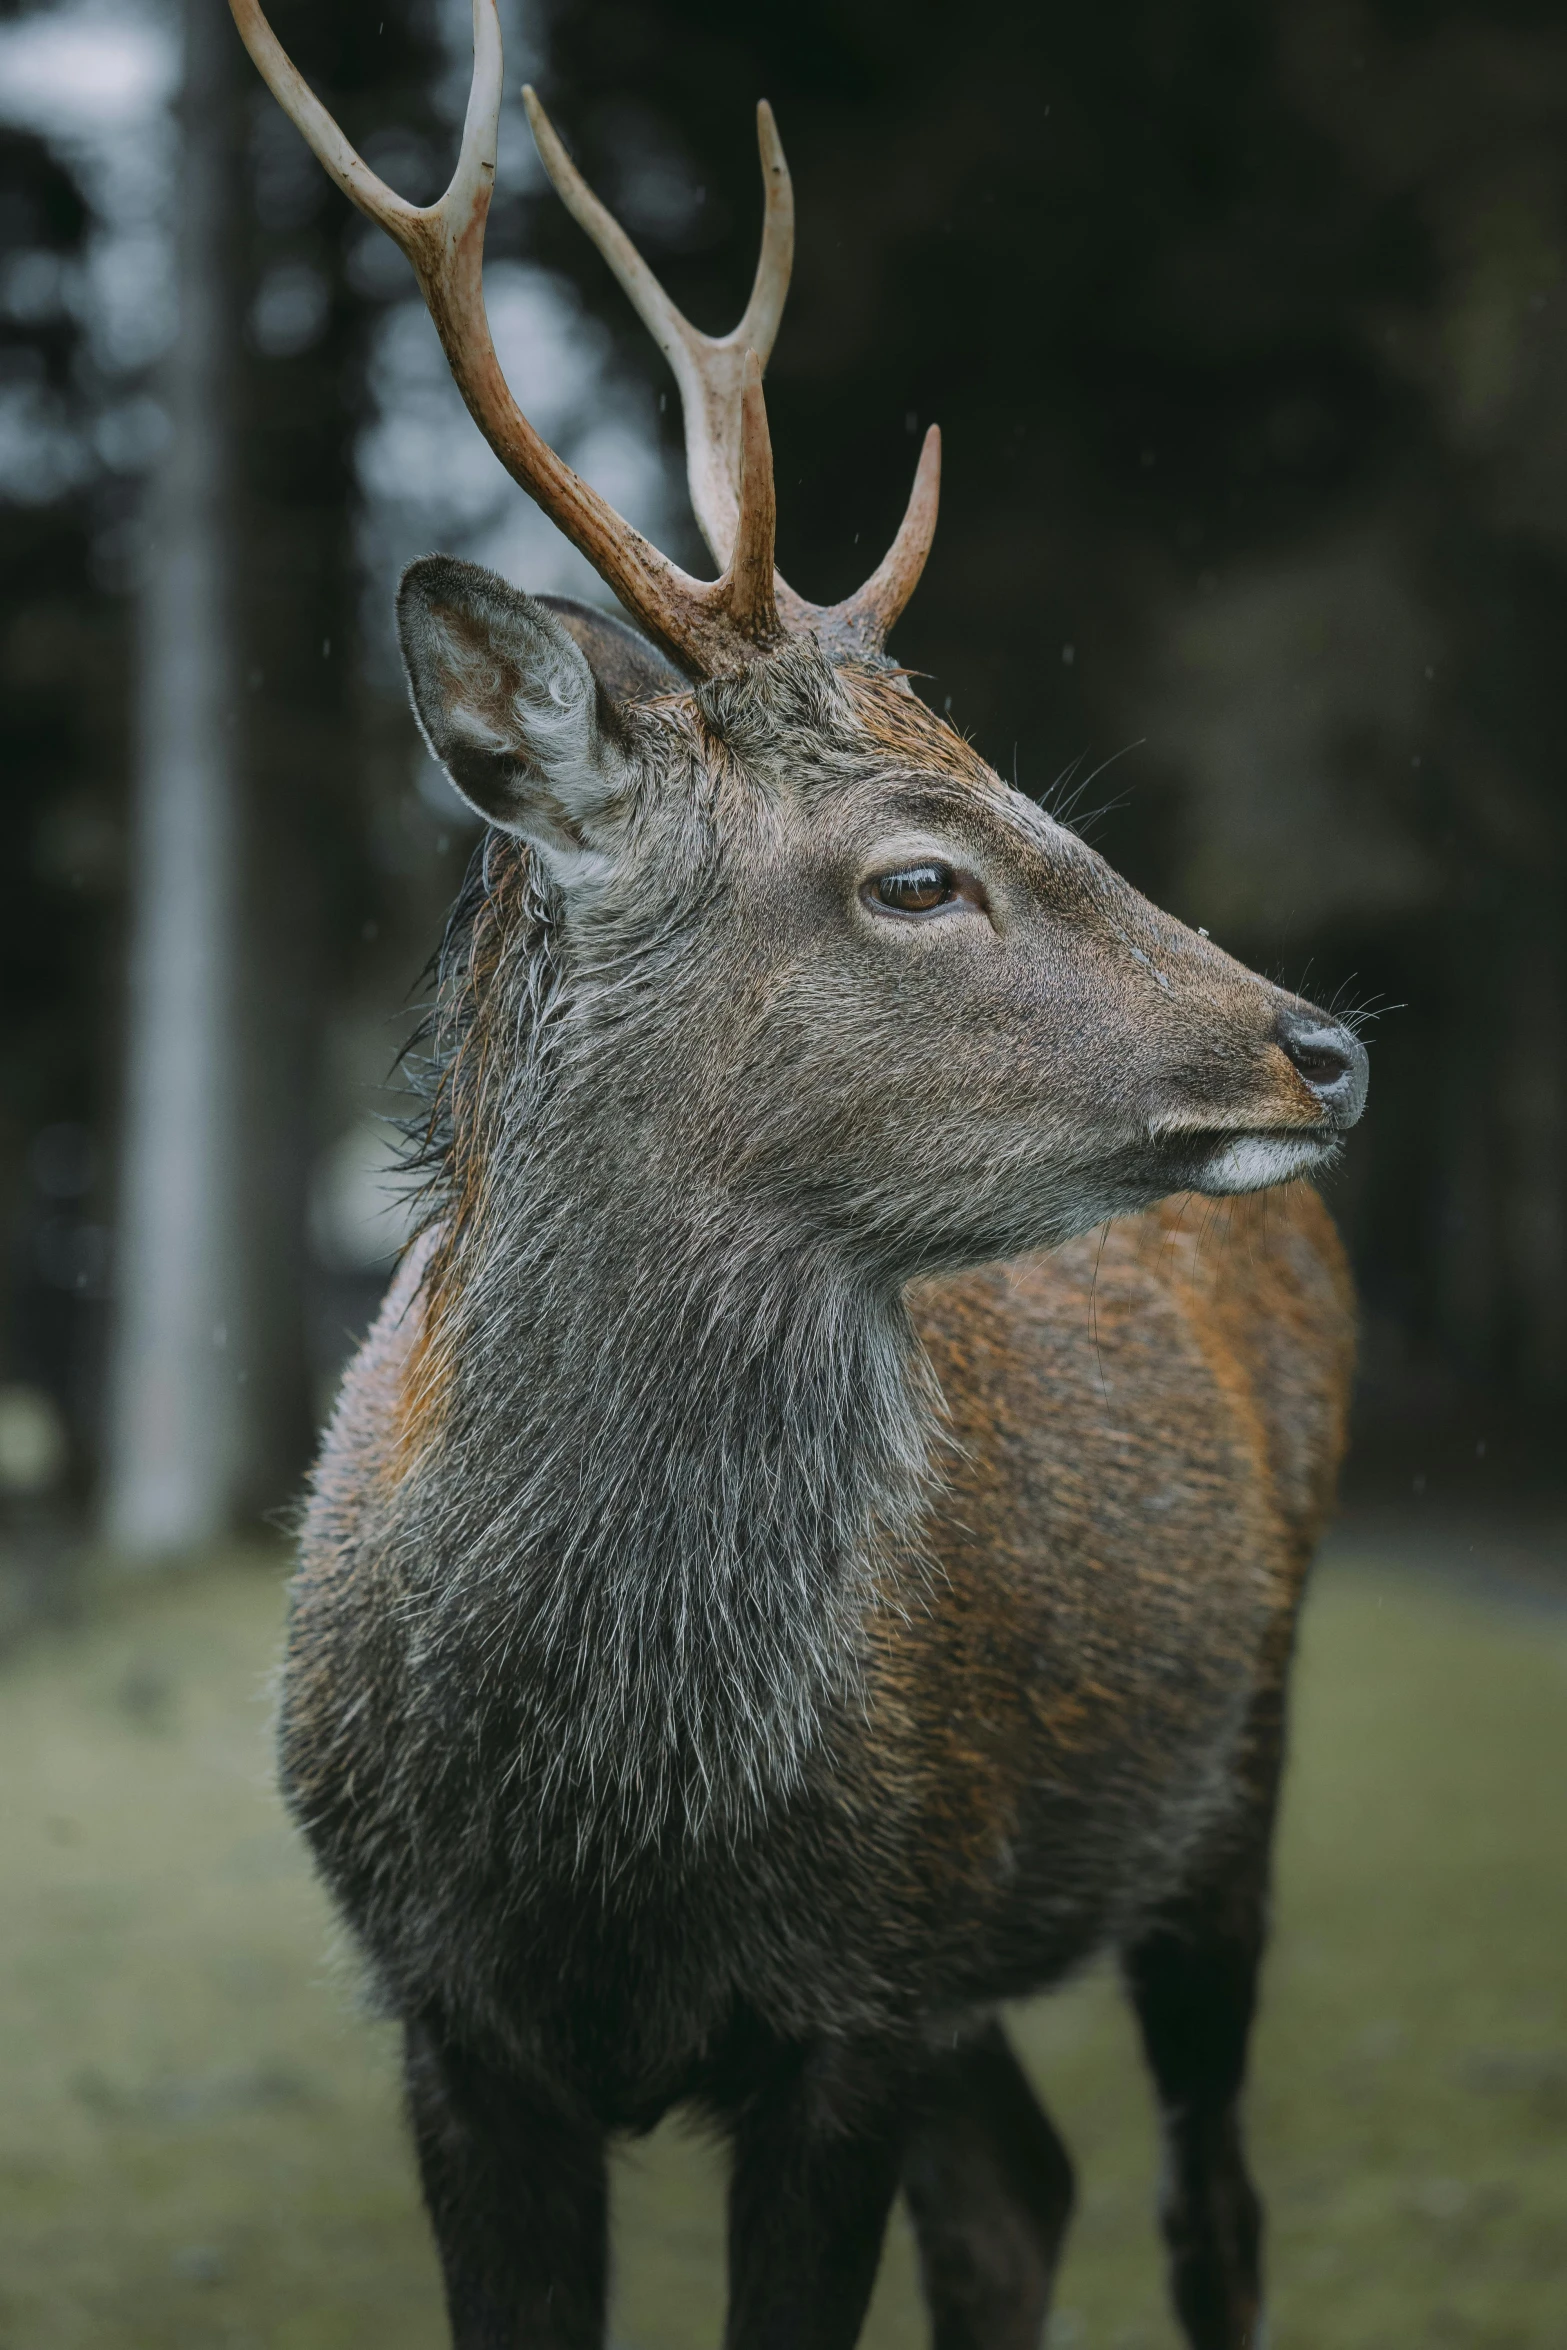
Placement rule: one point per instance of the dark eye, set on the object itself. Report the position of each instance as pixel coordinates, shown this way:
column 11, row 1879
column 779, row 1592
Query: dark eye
column 913, row 889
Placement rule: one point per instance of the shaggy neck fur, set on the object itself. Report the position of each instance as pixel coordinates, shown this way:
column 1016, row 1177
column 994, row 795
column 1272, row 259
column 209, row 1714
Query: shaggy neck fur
column 675, row 1446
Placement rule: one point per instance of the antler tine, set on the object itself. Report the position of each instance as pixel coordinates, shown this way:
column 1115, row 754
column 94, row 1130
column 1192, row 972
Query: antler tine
column 672, row 332
column 709, row 370
column 445, row 243
column 749, row 583
column 758, row 329
column 865, row 619
column 409, row 225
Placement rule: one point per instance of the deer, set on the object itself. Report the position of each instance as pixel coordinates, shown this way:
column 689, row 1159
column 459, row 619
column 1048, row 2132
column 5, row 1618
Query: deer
column 809, row 1551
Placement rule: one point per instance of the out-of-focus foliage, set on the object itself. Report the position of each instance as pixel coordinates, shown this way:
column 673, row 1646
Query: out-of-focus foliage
column 63, row 678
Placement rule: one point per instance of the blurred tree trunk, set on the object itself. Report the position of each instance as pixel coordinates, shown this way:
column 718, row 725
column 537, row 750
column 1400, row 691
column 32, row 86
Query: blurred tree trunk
column 251, row 887
column 311, row 879
column 175, row 1429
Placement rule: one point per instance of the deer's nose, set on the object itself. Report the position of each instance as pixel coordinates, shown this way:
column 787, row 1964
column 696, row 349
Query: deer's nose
column 1332, row 1062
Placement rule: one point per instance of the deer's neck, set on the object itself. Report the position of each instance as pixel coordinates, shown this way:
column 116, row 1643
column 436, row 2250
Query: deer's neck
column 680, row 1453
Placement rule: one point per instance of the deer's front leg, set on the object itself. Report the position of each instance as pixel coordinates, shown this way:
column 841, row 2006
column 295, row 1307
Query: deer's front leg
column 516, row 2195
column 1193, row 1980
column 817, row 2156
column 989, row 2186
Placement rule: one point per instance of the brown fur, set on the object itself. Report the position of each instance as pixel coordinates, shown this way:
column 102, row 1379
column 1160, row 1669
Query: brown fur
column 1148, row 1425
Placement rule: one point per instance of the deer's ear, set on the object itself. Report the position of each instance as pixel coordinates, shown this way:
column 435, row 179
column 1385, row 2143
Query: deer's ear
column 510, row 707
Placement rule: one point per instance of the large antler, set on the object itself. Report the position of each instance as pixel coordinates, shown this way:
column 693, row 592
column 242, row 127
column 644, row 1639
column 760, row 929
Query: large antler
column 709, row 627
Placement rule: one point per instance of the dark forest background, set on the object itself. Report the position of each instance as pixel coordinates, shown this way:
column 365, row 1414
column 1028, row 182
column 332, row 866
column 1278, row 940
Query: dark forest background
column 1246, row 326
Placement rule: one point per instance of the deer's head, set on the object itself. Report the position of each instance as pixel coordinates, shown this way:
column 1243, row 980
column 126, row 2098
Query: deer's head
column 821, row 958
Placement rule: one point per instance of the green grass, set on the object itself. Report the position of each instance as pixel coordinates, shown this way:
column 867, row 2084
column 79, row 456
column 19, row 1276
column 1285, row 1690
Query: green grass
column 199, row 2137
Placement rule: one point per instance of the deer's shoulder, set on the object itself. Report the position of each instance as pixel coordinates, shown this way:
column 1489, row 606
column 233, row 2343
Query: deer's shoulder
column 1145, row 1359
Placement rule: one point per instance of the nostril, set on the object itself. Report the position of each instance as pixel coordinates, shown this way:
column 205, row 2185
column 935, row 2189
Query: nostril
column 1325, row 1054
column 1319, row 1064
column 1330, row 1059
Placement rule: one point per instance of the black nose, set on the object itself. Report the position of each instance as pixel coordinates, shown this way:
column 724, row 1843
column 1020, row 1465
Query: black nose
column 1332, row 1062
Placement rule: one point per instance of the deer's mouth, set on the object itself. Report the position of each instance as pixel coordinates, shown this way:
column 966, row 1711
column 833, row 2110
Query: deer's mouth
column 1228, row 1162
column 1314, row 1090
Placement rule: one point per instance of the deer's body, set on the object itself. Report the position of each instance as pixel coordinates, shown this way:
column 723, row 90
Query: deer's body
column 727, row 1662
column 1068, row 1716
column 757, row 1613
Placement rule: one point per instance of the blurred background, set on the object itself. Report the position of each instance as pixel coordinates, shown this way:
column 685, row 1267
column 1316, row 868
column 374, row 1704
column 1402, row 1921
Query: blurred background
column 1246, row 323
column 1247, row 331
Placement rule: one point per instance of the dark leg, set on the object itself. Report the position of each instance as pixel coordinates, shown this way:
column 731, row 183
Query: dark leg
column 1193, row 1980
column 516, row 2195
column 816, row 2160
column 989, row 2186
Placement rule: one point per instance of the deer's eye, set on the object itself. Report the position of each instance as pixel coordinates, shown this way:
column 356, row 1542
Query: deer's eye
column 913, row 889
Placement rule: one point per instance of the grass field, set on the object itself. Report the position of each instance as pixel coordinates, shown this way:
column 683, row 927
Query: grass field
column 199, row 2139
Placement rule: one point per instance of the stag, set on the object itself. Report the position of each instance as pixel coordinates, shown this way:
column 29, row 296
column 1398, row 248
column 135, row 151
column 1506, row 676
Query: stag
column 755, row 1618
